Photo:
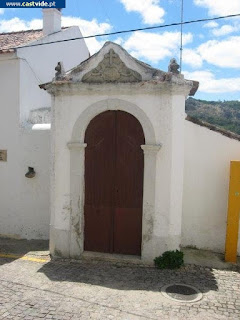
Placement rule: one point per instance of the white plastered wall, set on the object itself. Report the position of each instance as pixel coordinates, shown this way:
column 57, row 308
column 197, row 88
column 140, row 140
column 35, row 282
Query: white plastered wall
column 206, row 182
column 162, row 186
column 37, row 66
column 25, row 203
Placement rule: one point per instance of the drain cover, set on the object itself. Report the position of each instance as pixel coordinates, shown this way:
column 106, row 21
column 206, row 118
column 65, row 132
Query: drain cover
column 181, row 292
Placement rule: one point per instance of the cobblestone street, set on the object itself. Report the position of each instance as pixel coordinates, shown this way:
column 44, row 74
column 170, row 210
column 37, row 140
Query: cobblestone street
column 34, row 290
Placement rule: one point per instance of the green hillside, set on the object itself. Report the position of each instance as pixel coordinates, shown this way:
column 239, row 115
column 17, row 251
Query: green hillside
column 223, row 114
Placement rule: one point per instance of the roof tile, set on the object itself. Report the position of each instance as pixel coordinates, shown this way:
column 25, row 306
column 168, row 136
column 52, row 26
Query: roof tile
column 10, row 40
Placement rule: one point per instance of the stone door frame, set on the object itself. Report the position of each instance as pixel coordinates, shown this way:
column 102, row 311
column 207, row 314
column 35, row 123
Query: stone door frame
column 77, row 158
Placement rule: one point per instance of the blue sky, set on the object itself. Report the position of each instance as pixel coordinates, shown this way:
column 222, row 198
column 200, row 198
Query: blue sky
column 211, row 52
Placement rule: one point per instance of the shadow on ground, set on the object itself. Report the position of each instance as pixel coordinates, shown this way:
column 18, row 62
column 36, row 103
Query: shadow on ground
column 110, row 275
column 12, row 249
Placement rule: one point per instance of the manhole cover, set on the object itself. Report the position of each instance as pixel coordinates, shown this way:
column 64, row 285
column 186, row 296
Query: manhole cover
column 181, row 292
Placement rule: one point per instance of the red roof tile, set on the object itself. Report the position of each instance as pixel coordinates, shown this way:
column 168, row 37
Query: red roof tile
column 10, row 40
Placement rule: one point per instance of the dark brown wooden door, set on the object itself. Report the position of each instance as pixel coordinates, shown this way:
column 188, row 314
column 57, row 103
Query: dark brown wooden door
column 113, row 184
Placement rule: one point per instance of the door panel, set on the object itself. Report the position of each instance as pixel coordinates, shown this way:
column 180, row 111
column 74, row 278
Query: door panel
column 128, row 231
column 129, row 184
column 98, row 228
column 114, row 184
column 99, row 183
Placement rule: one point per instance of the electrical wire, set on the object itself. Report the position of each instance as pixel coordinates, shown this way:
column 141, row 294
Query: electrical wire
column 132, row 30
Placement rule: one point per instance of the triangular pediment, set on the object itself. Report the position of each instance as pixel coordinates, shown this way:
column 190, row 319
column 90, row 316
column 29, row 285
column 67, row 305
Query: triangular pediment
column 112, row 64
column 111, row 69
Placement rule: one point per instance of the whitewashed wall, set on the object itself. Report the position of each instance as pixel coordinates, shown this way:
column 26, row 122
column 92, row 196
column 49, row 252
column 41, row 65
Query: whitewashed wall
column 25, row 203
column 162, row 218
column 206, row 181
column 37, row 66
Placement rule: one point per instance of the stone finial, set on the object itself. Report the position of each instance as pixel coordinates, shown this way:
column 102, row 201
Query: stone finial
column 60, row 71
column 173, row 66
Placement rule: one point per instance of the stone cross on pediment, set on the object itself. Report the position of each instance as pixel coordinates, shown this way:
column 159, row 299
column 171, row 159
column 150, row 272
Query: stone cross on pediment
column 111, row 55
column 111, row 70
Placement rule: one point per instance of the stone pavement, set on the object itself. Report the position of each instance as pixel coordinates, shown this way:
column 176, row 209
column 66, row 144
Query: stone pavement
column 37, row 288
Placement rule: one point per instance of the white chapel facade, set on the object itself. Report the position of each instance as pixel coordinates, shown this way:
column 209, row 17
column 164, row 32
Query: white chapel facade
column 118, row 167
column 113, row 83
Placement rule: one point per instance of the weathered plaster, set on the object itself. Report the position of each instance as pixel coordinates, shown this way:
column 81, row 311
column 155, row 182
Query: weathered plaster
column 159, row 107
column 25, row 203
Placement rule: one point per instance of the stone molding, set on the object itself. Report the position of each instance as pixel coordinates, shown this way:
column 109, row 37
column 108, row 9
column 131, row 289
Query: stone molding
column 96, row 108
column 76, row 145
column 144, row 87
column 151, row 148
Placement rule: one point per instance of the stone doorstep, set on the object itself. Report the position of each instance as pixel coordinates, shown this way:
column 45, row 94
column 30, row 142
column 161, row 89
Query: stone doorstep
column 114, row 258
column 98, row 257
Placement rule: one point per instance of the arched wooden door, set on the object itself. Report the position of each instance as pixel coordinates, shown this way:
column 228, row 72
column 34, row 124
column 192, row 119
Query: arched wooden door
column 113, row 184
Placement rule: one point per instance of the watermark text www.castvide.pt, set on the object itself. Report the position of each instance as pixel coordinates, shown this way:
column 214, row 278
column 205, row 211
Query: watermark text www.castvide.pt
column 33, row 4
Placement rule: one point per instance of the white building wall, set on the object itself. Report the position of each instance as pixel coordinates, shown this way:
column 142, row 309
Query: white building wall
column 38, row 66
column 25, row 203
column 206, row 182
column 30, row 95
column 167, row 117
column 9, row 93
column 44, row 57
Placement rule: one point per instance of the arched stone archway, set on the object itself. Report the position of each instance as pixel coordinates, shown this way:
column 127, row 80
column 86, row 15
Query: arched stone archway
column 112, row 104
column 77, row 184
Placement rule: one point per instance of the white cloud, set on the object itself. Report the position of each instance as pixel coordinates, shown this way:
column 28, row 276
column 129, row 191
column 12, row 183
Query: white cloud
column 150, row 10
column 201, row 36
column 16, row 24
column 1, row 11
column 155, row 47
column 219, row 7
column 87, row 28
column 209, row 84
column 119, row 41
column 223, row 54
column 225, row 29
column 211, row 24
column 192, row 58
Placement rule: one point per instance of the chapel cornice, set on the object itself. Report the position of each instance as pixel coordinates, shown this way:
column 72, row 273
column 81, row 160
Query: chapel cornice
column 115, row 70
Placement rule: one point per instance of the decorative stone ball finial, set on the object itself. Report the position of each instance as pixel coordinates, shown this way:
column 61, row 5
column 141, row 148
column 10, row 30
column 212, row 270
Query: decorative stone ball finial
column 173, row 66
column 60, row 71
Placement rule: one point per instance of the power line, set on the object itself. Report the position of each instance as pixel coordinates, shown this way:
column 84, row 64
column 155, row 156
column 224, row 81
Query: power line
column 132, row 30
